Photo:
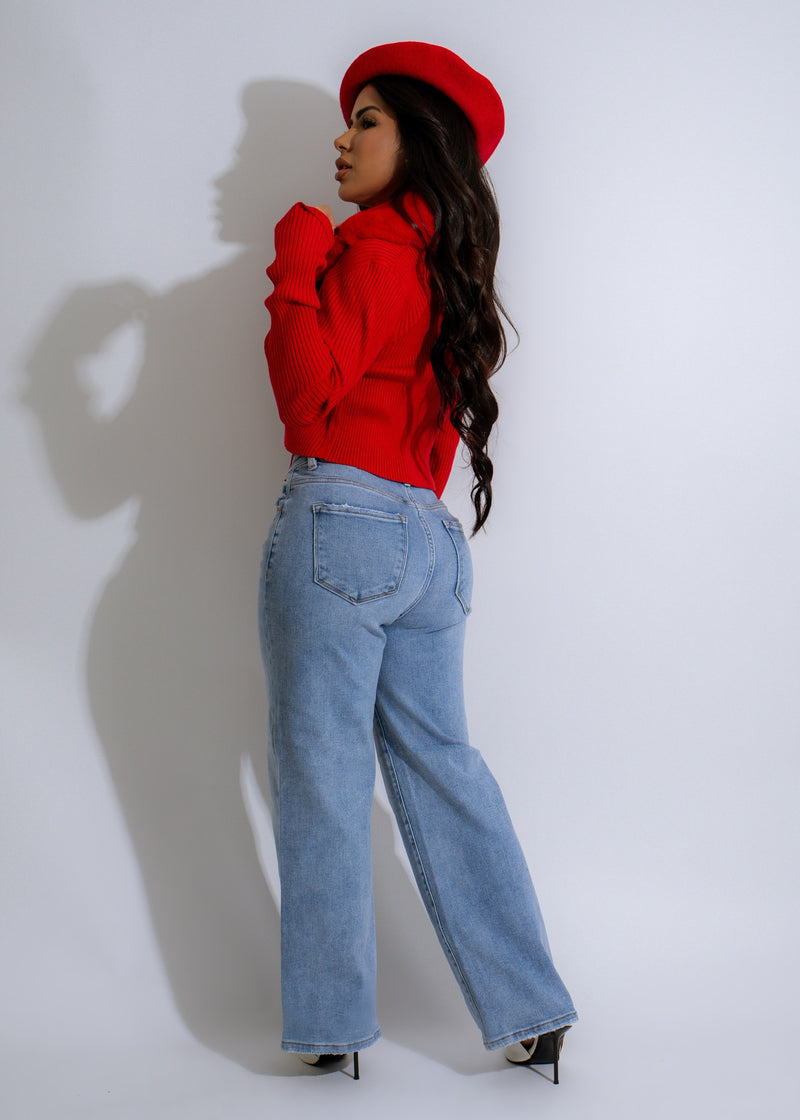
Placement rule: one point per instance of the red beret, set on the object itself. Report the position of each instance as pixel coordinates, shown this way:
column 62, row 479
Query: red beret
column 441, row 68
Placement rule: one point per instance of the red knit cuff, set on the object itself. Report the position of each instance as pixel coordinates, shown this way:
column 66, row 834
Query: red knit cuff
column 303, row 238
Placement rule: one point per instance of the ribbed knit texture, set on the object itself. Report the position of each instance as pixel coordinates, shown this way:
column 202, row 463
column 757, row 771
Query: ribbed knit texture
column 350, row 340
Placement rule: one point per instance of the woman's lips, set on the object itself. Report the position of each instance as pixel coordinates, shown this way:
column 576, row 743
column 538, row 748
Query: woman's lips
column 341, row 170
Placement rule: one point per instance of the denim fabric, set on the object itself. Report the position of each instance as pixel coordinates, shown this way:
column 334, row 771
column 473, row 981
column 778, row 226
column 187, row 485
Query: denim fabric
column 365, row 591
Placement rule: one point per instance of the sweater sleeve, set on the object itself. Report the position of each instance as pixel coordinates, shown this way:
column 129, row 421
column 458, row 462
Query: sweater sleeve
column 324, row 337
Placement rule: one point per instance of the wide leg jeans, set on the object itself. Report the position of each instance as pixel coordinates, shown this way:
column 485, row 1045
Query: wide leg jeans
column 365, row 591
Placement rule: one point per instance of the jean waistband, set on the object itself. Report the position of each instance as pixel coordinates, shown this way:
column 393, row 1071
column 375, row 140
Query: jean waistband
column 309, row 469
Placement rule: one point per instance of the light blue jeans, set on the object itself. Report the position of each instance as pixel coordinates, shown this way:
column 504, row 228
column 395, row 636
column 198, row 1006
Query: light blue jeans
column 365, row 591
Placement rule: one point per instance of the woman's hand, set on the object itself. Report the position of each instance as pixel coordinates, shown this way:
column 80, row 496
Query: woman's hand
column 326, row 210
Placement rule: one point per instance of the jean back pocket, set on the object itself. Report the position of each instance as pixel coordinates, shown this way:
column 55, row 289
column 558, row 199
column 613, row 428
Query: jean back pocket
column 463, row 585
column 359, row 554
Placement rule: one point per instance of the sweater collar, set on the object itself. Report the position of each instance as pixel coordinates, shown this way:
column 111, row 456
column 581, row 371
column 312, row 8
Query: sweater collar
column 383, row 221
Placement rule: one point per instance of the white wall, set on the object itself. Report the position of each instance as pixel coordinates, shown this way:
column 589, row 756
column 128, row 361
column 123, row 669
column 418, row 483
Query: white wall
column 633, row 657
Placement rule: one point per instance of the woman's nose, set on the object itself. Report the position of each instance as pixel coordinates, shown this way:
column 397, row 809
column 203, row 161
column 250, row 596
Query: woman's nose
column 340, row 143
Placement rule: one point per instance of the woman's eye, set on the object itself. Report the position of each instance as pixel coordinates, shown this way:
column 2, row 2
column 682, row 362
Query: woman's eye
column 367, row 122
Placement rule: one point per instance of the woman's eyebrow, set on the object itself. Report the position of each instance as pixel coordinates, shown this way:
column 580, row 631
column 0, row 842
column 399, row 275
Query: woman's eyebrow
column 366, row 109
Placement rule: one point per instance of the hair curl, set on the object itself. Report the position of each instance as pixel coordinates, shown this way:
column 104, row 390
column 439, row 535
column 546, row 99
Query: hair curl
column 443, row 167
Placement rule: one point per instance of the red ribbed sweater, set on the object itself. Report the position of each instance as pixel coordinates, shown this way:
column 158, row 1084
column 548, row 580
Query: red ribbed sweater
column 350, row 340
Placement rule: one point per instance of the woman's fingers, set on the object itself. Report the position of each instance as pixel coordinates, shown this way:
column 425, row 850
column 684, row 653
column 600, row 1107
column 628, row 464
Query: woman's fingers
column 326, row 210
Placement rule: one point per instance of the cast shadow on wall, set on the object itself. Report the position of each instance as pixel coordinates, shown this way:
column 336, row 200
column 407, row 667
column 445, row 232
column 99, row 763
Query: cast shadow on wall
column 172, row 667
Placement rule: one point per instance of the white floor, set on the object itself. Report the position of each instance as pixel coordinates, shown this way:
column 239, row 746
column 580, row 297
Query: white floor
column 683, row 1028
column 716, row 1072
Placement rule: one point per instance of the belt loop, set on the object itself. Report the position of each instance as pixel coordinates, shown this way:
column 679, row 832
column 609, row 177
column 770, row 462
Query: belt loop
column 311, row 463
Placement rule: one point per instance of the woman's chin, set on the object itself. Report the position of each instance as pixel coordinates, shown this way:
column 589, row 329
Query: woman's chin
column 360, row 198
column 347, row 196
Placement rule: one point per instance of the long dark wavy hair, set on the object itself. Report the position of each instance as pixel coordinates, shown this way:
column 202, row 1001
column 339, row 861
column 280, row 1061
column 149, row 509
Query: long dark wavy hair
column 443, row 167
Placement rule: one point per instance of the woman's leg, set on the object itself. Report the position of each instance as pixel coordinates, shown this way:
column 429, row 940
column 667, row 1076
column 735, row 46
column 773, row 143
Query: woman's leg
column 322, row 658
column 460, row 841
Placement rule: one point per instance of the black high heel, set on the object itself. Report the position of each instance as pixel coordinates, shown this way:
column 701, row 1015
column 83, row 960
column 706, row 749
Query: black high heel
column 546, row 1051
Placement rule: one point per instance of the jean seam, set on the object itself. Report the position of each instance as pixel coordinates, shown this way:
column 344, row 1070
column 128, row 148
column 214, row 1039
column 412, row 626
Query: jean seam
column 296, row 1047
column 431, row 563
column 528, row 1032
column 423, row 883
column 273, row 537
column 402, row 500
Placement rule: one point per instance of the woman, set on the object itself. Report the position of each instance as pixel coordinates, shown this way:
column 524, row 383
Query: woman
column 383, row 337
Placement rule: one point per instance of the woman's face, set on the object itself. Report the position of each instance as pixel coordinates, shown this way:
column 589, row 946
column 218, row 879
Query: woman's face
column 370, row 160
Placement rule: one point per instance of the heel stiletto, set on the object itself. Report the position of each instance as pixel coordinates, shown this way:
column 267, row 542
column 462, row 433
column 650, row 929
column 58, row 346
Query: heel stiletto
column 545, row 1051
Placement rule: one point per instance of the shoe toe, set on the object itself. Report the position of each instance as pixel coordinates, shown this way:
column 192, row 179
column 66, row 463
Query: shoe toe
column 320, row 1060
column 516, row 1052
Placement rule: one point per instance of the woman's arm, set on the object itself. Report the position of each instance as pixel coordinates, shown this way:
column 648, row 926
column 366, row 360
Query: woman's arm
column 321, row 342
